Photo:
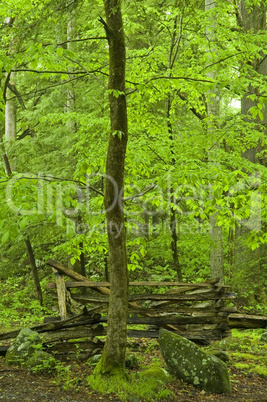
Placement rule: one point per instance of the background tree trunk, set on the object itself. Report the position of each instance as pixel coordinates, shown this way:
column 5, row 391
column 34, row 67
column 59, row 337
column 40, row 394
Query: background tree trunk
column 34, row 270
column 247, row 262
column 213, row 113
column 113, row 356
column 10, row 122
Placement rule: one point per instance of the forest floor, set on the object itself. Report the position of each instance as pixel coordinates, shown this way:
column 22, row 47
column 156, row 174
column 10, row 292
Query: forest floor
column 71, row 384
column 23, row 385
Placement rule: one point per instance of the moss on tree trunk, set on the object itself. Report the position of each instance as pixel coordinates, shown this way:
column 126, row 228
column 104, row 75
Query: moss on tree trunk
column 113, row 357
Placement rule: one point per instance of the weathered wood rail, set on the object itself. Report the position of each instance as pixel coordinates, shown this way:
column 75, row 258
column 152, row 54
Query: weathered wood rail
column 197, row 311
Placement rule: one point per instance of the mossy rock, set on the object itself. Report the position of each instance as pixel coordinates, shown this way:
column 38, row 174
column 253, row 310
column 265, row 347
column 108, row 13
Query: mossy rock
column 41, row 361
column 221, row 355
column 92, row 361
column 24, row 346
column 264, row 337
column 188, row 362
column 156, row 373
column 131, row 361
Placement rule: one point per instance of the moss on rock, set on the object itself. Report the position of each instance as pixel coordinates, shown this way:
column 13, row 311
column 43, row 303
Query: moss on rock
column 157, row 373
column 24, row 346
column 41, row 361
column 188, row 362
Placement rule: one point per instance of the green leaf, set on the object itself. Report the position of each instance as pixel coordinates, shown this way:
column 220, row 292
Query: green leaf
column 69, row 53
column 72, row 260
column 60, row 51
column 24, row 222
column 33, row 64
column 260, row 115
column 5, row 237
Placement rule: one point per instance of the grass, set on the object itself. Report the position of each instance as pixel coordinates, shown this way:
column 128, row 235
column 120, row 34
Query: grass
column 148, row 384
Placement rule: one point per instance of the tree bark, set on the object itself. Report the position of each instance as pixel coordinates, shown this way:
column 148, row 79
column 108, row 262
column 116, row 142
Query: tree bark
column 34, row 270
column 248, row 263
column 174, row 49
column 10, row 116
column 173, row 214
column 113, row 357
column 10, row 127
column 213, row 113
column 71, row 96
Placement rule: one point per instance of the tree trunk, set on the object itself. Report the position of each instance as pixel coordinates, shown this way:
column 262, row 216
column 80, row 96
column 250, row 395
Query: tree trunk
column 10, row 126
column 10, row 116
column 34, row 270
column 71, row 96
column 251, row 264
column 173, row 214
column 173, row 219
column 213, row 113
column 113, row 357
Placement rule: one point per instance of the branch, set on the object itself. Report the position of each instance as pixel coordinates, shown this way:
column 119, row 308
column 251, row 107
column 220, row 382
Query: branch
column 76, row 40
column 220, row 61
column 28, row 131
column 140, row 194
column 51, row 178
column 103, row 22
column 200, row 116
column 85, row 69
column 151, row 149
column 180, row 78
column 54, row 85
column 18, row 95
column 46, row 72
column 6, row 85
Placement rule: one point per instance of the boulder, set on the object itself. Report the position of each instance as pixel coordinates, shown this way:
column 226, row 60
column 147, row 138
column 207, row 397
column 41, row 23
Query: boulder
column 188, row 362
column 41, row 361
column 131, row 361
column 24, row 346
column 156, row 373
column 26, row 351
column 221, row 355
column 264, row 337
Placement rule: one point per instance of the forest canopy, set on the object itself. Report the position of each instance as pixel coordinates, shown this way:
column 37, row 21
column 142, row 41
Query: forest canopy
column 194, row 191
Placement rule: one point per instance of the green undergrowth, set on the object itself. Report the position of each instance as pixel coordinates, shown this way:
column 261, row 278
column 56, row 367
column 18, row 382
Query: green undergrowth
column 18, row 305
column 245, row 350
column 149, row 384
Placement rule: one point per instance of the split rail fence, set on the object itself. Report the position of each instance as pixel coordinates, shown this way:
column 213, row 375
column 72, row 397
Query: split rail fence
column 197, row 311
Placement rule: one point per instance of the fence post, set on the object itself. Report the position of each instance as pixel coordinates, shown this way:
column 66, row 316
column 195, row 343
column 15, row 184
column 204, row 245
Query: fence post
column 61, row 294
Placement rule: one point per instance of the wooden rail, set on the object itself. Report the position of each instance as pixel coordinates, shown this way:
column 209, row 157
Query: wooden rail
column 197, row 311
column 194, row 310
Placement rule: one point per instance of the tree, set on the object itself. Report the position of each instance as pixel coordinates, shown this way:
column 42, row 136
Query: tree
column 113, row 356
column 213, row 114
column 252, row 20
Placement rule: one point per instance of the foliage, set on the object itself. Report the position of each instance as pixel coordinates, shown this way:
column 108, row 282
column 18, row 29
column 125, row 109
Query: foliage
column 246, row 351
column 58, row 55
column 18, row 304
